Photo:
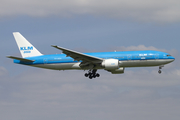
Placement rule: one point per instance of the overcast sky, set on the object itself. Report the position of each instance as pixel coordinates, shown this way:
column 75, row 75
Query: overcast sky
column 28, row 93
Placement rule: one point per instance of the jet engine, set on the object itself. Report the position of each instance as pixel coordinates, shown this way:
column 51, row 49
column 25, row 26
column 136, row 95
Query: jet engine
column 110, row 64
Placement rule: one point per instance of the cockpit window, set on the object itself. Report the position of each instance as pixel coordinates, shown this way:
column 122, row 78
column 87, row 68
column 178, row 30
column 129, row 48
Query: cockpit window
column 168, row 55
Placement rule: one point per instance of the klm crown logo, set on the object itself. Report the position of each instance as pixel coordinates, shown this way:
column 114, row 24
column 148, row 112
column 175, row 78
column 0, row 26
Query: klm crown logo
column 26, row 48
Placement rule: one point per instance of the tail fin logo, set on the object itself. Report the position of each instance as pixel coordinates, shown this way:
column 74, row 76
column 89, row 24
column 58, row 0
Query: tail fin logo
column 27, row 49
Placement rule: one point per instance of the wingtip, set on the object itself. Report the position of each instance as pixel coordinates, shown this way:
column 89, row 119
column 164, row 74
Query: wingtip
column 54, row 46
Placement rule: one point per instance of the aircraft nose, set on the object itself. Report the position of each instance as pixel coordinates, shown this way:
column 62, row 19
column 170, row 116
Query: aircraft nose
column 172, row 59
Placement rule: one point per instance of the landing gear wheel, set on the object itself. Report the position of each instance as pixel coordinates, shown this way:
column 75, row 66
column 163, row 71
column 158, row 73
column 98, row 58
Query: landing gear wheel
column 90, row 77
column 97, row 75
column 159, row 71
column 160, row 67
column 86, row 74
column 92, row 74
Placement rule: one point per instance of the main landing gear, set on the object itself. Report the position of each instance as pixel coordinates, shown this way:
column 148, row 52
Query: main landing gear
column 160, row 67
column 92, row 74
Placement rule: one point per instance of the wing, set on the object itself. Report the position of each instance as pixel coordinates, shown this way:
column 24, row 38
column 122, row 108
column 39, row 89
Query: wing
column 79, row 56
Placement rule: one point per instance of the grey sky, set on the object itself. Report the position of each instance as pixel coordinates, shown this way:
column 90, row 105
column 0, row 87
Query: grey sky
column 90, row 26
column 151, row 10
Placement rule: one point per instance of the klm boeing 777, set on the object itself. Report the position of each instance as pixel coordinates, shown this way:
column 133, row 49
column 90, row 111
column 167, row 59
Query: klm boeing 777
column 114, row 62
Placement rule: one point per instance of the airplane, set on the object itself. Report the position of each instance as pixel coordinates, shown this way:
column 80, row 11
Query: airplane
column 114, row 62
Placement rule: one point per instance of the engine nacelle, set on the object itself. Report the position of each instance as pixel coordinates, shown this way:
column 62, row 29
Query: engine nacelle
column 110, row 64
column 118, row 71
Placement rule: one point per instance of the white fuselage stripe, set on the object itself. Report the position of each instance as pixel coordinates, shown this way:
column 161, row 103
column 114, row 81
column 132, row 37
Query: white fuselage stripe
column 127, row 63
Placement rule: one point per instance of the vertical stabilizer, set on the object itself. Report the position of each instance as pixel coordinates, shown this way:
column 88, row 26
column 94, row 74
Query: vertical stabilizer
column 26, row 48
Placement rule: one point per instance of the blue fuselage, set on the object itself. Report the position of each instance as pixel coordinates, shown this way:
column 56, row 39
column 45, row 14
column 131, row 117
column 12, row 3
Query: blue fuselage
column 126, row 59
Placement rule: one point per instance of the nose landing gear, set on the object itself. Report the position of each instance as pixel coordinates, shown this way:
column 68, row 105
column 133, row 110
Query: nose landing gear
column 159, row 71
column 160, row 67
column 92, row 74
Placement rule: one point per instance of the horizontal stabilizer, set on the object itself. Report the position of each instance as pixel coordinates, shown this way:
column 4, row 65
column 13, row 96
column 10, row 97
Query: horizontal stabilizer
column 21, row 59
